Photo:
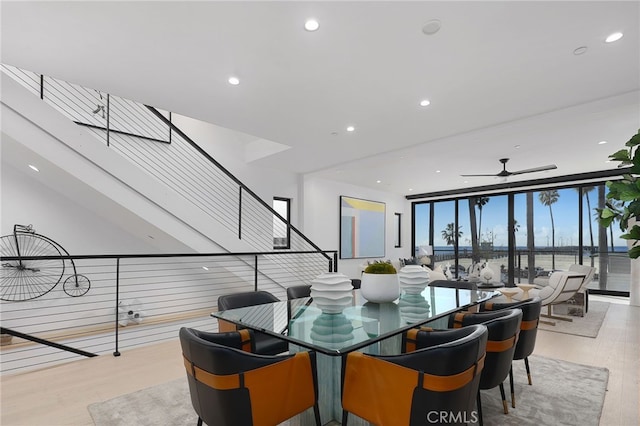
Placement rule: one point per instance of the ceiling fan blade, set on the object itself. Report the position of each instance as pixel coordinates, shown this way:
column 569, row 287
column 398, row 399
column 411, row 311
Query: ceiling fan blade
column 535, row 169
column 493, row 174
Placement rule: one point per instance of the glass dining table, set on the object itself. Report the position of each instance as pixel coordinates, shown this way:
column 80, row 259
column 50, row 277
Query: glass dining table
column 357, row 325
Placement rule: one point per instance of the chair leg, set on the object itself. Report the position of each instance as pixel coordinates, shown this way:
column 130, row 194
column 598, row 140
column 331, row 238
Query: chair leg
column 555, row 317
column 316, row 413
column 513, row 394
column 345, row 417
column 526, row 364
column 199, row 421
column 504, row 399
column 479, row 403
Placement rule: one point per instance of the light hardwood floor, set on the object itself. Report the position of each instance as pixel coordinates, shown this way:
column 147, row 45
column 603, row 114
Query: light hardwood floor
column 60, row 395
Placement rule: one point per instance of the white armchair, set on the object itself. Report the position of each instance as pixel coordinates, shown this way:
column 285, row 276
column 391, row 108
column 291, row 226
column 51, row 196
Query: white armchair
column 562, row 286
column 581, row 299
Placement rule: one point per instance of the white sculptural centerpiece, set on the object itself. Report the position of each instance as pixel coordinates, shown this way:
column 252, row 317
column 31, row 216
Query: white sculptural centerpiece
column 332, row 292
column 486, row 274
column 447, row 271
column 413, row 279
column 474, row 272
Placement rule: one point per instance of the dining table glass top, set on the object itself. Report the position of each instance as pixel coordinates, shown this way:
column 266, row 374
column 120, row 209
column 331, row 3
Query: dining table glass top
column 357, row 323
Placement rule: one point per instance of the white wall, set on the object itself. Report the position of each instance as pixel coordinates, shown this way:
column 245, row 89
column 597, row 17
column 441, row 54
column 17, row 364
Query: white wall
column 228, row 148
column 322, row 219
column 69, row 222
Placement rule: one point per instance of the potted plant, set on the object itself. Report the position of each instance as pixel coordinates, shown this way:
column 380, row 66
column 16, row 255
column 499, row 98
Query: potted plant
column 627, row 192
column 380, row 282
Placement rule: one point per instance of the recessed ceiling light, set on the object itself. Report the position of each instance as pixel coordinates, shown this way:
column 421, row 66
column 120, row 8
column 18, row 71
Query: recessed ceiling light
column 516, row 146
column 410, row 189
column 437, row 171
column 350, row 129
column 234, row 81
column 205, row 268
column 580, row 50
column 311, row 25
column 432, row 27
column 34, row 168
column 378, row 181
column 602, row 142
column 425, row 102
column 613, row 37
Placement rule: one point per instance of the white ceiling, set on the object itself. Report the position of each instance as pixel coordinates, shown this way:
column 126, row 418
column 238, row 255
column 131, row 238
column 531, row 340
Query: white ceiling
column 498, row 74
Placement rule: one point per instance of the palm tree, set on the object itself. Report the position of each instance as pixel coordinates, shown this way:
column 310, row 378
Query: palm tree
column 531, row 246
column 475, row 251
column 585, row 190
column 618, row 205
column 480, row 202
column 449, row 234
column 548, row 198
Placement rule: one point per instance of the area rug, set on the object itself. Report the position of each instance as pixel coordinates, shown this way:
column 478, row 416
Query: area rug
column 563, row 393
column 588, row 325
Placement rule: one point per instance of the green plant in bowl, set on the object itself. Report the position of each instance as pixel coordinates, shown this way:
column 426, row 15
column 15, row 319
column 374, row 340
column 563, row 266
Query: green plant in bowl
column 380, row 268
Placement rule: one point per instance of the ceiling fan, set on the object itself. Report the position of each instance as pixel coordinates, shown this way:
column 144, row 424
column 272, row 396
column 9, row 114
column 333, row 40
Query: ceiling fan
column 505, row 173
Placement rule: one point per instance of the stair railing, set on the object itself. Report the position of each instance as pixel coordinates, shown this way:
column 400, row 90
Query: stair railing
column 148, row 138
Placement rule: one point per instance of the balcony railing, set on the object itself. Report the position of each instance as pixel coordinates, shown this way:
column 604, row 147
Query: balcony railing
column 132, row 300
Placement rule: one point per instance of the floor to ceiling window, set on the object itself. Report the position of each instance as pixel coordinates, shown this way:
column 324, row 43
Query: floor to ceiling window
column 551, row 230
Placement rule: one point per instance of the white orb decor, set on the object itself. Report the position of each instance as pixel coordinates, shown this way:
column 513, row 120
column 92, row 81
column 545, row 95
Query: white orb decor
column 413, row 279
column 332, row 292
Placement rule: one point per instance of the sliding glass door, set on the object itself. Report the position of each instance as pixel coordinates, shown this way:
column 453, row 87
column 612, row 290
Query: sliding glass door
column 551, row 230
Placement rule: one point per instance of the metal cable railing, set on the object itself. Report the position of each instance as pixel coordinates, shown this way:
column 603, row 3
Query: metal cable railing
column 164, row 291
column 148, row 138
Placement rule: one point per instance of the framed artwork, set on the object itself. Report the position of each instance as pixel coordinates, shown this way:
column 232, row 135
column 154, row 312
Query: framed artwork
column 362, row 224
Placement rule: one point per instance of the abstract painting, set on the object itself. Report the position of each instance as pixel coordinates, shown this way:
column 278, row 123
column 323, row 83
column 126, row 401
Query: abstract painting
column 362, row 228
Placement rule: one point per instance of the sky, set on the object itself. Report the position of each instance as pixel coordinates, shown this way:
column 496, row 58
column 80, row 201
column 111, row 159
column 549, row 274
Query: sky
column 494, row 221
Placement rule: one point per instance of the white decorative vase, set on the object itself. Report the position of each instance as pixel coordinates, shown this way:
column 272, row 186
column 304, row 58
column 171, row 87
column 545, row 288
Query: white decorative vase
column 333, row 330
column 413, row 279
column 332, row 292
column 447, row 272
column 413, row 308
column 380, row 288
column 486, row 274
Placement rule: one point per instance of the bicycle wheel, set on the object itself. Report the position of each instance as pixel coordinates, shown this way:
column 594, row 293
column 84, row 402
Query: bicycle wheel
column 76, row 285
column 28, row 279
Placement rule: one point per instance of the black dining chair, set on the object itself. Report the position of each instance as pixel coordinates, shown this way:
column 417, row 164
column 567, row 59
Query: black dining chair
column 531, row 309
column 504, row 327
column 231, row 386
column 265, row 344
column 298, row 291
column 440, row 374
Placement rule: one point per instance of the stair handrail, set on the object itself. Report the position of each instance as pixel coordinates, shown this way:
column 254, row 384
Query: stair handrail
column 232, row 177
